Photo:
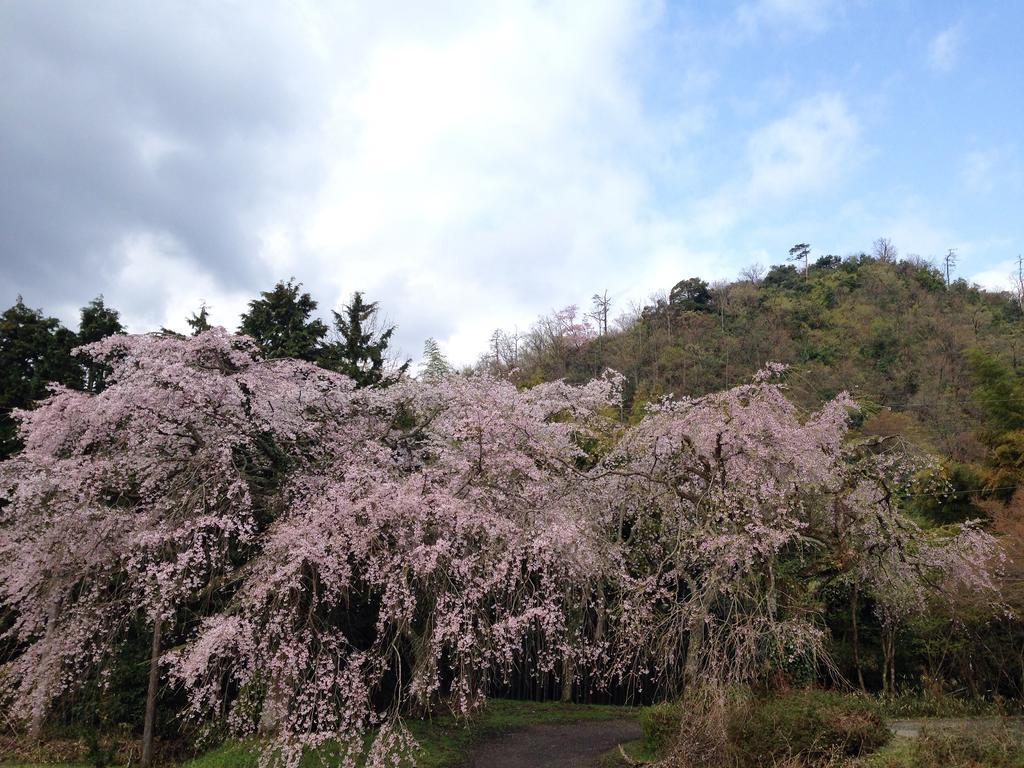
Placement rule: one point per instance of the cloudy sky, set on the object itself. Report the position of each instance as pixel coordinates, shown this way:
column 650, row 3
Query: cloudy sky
column 472, row 165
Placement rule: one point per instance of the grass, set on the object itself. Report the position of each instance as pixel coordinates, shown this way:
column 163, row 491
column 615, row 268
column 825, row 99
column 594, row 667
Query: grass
column 996, row 746
column 445, row 741
column 897, row 752
column 638, row 750
column 914, row 706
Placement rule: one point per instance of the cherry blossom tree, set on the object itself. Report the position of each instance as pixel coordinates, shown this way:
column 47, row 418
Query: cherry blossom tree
column 129, row 504
column 713, row 498
column 409, row 567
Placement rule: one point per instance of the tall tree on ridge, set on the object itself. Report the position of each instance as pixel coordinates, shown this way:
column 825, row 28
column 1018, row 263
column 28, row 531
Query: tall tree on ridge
column 690, row 295
column 801, row 252
column 279, row 322
column 949, row 260
column 884, row 250
column 601, row 307
column 358, row 352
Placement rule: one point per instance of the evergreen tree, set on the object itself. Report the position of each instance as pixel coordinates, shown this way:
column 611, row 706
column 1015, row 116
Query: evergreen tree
column 199, row 323
column 359, row 349
column 97, row 322
column 435, row 365
column 690, row 295
column 34, row 351
column 999, row 394
column 279, row 322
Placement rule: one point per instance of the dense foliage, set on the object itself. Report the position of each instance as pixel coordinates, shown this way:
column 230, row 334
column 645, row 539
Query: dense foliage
column 934, row 364
column 928, row 360
column 325, row 559
column 282, row 534
column 806, row 728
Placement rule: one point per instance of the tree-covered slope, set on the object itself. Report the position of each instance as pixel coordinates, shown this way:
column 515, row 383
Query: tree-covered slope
column 937, row 363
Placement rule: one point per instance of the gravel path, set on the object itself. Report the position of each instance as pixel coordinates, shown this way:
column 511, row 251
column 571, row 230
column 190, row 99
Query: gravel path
column 568, row 745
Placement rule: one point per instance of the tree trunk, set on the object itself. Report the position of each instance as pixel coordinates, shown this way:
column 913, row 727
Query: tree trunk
column 694, row 645
column 892, row 663
column 35, row 726
column 151, row 691
column 854, row 607
column 274, row 706
column 888, row 661
column 567, row 675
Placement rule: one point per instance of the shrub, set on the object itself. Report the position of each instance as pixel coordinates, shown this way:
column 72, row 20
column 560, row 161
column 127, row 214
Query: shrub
column 991, row 748
column 812, row 726
column 98, row 753
column 660, row 726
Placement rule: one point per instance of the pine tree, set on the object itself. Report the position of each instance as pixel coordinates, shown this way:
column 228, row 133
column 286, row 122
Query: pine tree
column 279, row 322
column 97, row 322
column 199, row 323
column 435, row 365
column 358, row 352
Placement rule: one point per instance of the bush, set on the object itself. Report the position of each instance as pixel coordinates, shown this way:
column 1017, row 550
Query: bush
column 994, row 748
column 813, row 726
column 942, row 705
column 660, row 726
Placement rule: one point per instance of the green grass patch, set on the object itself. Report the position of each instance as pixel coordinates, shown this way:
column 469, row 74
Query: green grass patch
column 895, row 754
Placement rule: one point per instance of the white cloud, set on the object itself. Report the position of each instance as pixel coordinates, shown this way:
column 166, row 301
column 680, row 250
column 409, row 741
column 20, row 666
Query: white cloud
column 155, row 264
column 806, row 150
column 944, row 48
column 978, row 169
column 466, row 165
column 810, row 149
column 478, row 177
column 998, row 277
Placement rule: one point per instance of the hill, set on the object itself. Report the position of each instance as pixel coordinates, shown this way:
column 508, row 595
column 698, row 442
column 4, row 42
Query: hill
column 937, row 363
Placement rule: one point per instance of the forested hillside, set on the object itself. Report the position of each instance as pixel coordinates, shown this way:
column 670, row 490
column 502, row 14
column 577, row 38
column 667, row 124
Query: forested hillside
column 937, row 363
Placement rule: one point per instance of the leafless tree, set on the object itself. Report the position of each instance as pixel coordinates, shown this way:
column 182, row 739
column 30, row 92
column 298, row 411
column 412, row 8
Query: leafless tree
column 497, row 339
column 1017, row 283
column 720, row 290
column 950, row 262
column 601, row 307
column 633, row 314
column 754, row 273
column 884, row 250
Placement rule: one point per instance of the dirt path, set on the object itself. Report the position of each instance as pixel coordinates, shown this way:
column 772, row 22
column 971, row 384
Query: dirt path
column 567, row 745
